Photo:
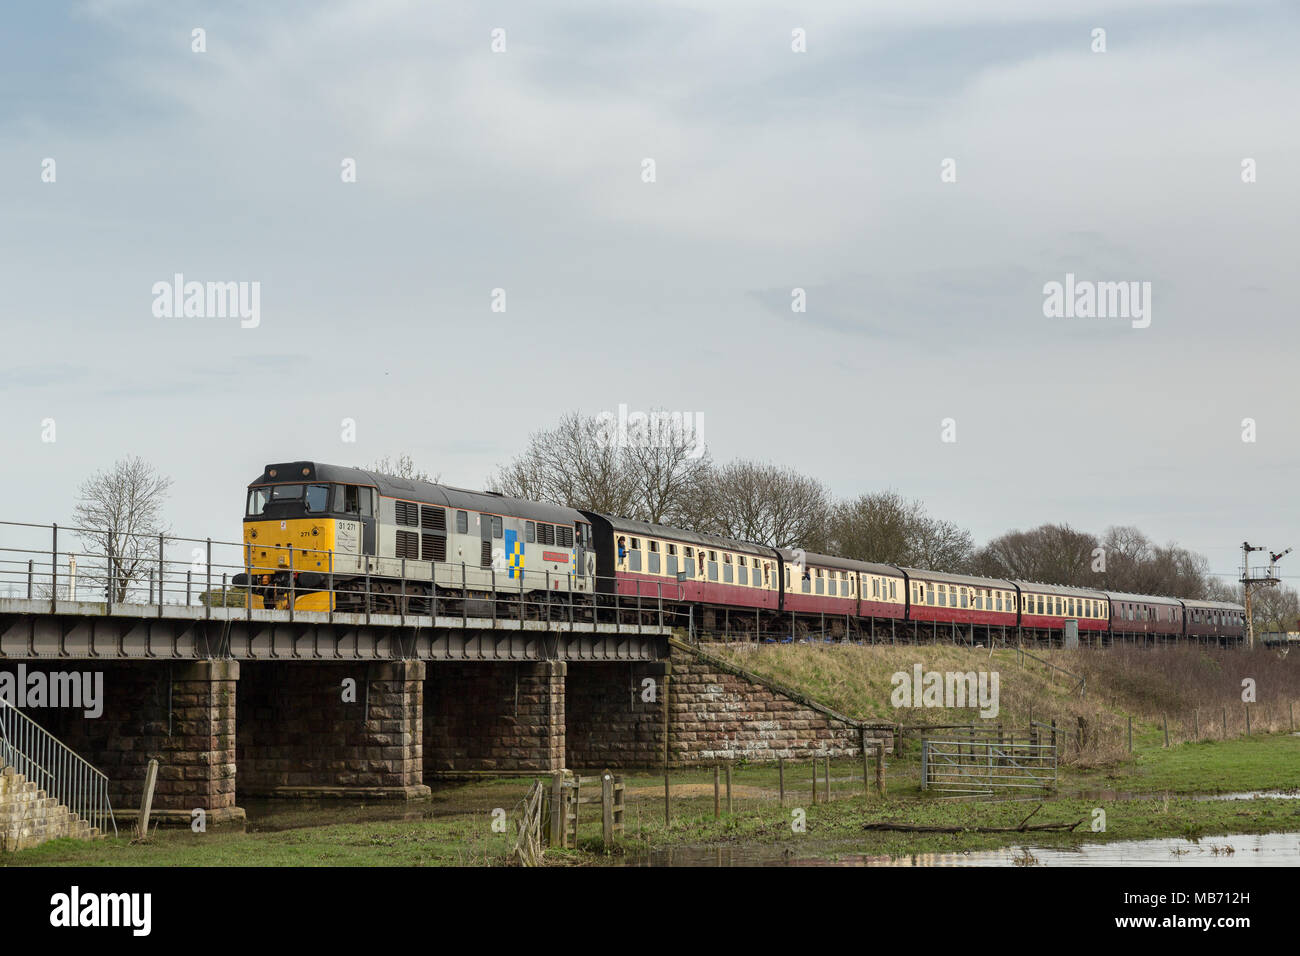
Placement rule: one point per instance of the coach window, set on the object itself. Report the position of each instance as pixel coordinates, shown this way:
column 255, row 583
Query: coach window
column 965, row 596
column 943, row 595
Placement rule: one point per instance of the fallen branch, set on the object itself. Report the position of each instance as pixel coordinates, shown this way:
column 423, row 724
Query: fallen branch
column 1023, row 828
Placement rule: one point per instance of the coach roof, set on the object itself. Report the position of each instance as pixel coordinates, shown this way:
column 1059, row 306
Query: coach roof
column 815, row 560
column 942, row 577
column 646, row 529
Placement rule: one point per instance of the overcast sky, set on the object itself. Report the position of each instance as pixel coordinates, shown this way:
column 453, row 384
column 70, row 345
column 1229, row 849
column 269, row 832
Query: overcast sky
column 774, row 170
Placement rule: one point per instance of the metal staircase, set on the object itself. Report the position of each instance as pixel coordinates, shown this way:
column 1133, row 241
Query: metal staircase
column 37, row 767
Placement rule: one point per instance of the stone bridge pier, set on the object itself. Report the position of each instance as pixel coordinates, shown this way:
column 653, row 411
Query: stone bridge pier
column 330, row 730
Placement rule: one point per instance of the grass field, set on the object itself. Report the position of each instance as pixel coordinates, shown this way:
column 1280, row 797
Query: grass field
column 458, row 830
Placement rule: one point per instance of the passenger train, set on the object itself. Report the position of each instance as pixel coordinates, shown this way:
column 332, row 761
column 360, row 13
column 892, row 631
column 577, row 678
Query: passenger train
column 325, row 537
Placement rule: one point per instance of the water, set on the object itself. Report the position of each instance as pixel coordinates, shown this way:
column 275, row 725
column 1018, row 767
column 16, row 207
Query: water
column 1261, row 849
column 1112, row 795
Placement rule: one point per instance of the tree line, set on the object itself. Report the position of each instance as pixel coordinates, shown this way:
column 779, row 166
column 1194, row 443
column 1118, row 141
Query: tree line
column 664, row 477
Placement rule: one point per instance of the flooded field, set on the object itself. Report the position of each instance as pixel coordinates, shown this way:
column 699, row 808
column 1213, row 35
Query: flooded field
column 1265, row 849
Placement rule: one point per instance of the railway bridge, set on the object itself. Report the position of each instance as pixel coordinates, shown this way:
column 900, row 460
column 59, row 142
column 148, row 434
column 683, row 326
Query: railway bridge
column 316, row 704
column 171, row 662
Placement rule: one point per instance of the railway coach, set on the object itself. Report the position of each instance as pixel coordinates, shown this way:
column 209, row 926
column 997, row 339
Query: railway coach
column 937, row 598
column 649, row 562
column 1046, row 607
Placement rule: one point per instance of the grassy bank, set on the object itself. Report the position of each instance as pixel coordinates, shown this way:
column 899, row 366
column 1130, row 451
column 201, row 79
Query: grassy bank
column 1196, row 692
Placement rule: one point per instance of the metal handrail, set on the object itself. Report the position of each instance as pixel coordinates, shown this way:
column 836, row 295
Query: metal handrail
column 41, row 758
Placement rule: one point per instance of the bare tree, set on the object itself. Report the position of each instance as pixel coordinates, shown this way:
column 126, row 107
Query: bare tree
column 876, row 527
column 941, row 546
column 121, row 512
column 668, row 472
column 1051, row 553
column 403, row 466
column 653, row 473
column 1275, row 609
column 888, row 528
column 769, row 504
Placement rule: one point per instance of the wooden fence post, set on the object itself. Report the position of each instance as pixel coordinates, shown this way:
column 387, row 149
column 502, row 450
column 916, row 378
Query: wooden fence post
column 866, row 767
column 557, row 810
column 146, row 805
column 668, row 812
column 607, row 809
column 1165, row 718
column 717, row 797
column 780, row 772
column 729, row 789
column 880, row 768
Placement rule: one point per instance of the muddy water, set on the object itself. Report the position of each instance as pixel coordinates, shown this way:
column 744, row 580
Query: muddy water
column 1264, row 849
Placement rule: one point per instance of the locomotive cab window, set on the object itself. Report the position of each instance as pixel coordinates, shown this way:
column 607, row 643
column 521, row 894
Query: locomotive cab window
column 318, row 498
column 530, row 532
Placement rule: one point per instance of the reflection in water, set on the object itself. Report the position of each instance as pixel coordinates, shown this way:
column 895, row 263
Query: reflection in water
column 1255, row 849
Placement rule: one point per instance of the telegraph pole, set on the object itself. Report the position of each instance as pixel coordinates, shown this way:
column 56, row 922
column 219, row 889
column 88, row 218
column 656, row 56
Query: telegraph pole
column 1266, row 578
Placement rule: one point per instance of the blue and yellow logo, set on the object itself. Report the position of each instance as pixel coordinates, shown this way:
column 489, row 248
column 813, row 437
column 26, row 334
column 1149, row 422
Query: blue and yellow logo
column 514, row 553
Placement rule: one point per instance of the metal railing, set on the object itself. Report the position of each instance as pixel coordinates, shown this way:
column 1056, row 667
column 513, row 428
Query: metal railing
column 987, row 762
column 41, row 758
column 43, row 563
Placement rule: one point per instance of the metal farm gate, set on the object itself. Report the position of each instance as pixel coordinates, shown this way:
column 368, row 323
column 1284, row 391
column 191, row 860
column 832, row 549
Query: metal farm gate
column 987, row 762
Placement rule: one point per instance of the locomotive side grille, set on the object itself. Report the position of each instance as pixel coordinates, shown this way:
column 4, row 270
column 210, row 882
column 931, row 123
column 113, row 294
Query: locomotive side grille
column 564, row 536
column 406, row 512
column 433, row 519
column 546, row 534
column 485, row 558
column 408, row 545
column 433, row 547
